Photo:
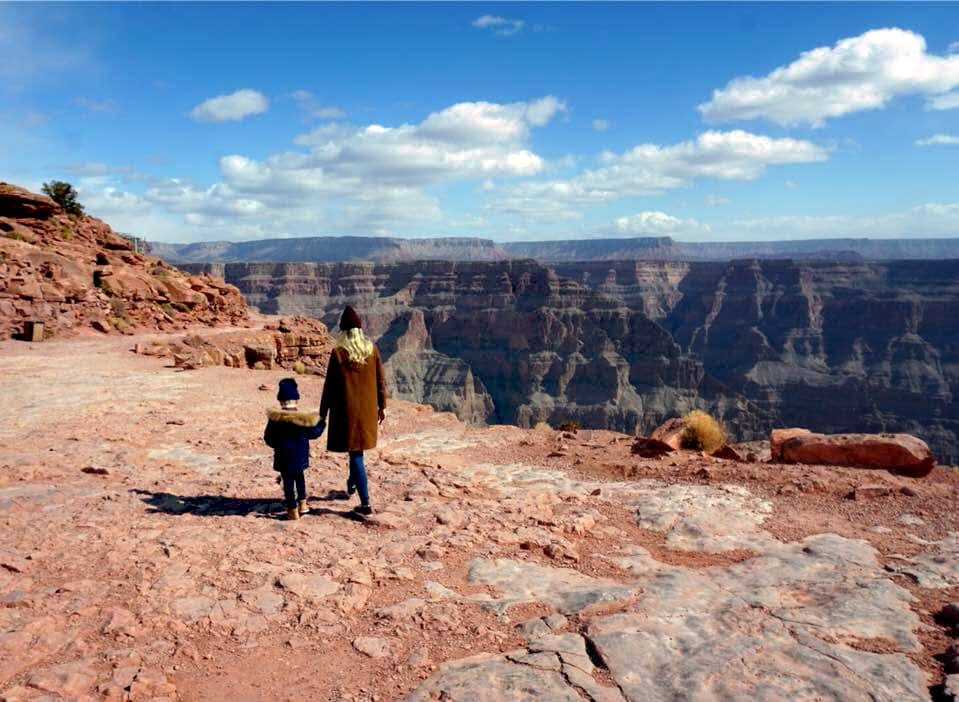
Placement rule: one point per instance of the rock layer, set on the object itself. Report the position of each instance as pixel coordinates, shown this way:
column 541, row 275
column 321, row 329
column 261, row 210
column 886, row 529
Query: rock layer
column 72, row 272
column 836, row 347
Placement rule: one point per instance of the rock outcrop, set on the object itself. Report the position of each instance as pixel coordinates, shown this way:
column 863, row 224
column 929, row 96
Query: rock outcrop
column 900, row 453
column 72, row 272
column 836, row 347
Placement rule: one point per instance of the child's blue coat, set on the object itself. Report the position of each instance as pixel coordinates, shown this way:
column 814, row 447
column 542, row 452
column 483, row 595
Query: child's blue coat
column 288, row 433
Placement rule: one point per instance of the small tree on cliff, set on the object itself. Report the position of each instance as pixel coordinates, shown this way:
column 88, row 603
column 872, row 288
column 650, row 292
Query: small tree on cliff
column 64, row 195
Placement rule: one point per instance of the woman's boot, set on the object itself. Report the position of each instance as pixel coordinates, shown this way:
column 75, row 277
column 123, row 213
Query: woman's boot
column 292, row 513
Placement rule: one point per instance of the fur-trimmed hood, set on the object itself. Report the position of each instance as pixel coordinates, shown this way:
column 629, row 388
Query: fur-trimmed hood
column 299, row 417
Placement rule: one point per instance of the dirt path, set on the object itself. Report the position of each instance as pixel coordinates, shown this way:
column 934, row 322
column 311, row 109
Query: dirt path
column 142, row 557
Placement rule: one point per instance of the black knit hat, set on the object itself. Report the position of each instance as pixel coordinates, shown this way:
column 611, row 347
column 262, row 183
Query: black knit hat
column 288, row 390
column 350, row 319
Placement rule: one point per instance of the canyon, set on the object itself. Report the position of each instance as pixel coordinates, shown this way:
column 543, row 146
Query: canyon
column 847, row 346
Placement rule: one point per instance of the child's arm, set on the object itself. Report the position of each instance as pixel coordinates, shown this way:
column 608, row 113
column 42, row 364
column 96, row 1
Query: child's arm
column 315, row 432
column 269, row 435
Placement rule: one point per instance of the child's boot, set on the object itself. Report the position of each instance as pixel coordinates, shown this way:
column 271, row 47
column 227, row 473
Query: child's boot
column 303, row 508
column 292, row 513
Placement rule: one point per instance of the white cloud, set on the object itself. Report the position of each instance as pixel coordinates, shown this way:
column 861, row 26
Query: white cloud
column 501, row 26
column 311, row 107
column 938, row 140
column 857, row 73
column 94, row 105
column 926, row 220
column 350, row 179
column 232, row 107
column 600, row 125
column 716, row 200
column 653, row 223
column 649, row 169
column 949, row 101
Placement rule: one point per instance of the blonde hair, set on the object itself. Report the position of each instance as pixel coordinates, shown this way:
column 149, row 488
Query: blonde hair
column 357, row 345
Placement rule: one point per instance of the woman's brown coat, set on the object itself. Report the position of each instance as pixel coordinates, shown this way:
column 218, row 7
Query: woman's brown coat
column 353, row 396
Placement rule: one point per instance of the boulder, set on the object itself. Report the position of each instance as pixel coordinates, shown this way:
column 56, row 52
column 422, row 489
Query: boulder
column 728, row 453
column 651, row 448
column 19, row 202
column 900, row 453
column 670, row 432
column 776, row 439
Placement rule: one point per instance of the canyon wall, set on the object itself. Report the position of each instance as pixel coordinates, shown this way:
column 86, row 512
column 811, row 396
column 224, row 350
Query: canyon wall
column 850, row 346
column 660, row 248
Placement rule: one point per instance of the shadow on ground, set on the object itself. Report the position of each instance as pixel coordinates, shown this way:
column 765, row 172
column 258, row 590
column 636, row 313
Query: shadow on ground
column 222, row 506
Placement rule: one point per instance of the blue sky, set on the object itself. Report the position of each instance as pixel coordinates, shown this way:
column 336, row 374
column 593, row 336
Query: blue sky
column 705, row 122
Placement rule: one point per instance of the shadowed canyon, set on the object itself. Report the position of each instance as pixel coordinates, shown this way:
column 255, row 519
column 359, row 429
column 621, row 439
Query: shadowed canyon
column 833, row 346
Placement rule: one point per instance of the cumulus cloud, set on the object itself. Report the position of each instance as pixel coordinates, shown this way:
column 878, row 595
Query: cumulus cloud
column 232, row 107
column 312, row 108
column 356, row 179
column 653, row 223
column 500, row 26
column 857, row 73
column 600, row 125
column 649, row 169
column 938, row 140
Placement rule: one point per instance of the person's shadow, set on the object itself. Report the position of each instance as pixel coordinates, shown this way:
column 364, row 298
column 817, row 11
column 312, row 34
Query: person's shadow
column 222, row 506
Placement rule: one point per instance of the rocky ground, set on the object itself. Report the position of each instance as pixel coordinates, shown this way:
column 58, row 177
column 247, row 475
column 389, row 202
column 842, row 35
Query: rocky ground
column 142, row 556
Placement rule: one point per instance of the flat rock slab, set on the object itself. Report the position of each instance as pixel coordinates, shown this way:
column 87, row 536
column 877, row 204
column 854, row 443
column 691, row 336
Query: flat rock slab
column 309, row 587
column 902, row 453
column 489, row 678
column 781, row 619
column 567, row 590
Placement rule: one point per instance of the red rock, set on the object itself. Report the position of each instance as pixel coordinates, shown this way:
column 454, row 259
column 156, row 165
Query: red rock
column 651, row 448
column 727, row 453
column 19, row 203
column 670, row 432
column 901, row 453
column 866, row 492
column 776, row 439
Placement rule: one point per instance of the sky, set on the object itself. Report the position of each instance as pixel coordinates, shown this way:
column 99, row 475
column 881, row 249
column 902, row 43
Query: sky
column 184, row 122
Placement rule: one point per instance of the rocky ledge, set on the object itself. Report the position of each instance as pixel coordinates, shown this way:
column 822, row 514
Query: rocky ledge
column 73, row 272
column 142, row 557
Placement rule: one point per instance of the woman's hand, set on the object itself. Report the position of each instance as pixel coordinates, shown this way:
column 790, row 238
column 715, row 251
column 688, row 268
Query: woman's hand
column 381, row 415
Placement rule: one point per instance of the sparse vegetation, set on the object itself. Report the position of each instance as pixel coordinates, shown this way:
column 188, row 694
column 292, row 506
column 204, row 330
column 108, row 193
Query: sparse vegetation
column 168, row 310
column 299, row 368
column 702, row 432
column 15, row 235
column 571, row 426
column 64, row 195
column 180, row 306
column 66, row 233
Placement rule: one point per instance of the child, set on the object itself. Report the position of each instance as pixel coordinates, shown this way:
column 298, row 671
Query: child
column 289, row 432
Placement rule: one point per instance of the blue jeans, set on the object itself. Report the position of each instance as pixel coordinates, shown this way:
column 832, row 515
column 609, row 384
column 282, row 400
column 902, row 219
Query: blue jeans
column 358, row 476
column 293, row 484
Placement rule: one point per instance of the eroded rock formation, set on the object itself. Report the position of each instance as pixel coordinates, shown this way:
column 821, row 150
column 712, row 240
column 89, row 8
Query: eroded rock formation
column 836, row 347
column 71, row 272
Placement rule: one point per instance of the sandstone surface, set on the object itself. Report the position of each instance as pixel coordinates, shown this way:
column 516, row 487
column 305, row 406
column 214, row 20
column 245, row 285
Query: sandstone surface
column 170, row 574
column 72, row 273
column 897, row 452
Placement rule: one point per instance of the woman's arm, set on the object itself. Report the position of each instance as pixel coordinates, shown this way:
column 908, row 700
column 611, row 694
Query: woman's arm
column 330, row 385
column 380, row 385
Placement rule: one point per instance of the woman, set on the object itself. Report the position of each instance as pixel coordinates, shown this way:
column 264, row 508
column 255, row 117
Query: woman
column 354, row 396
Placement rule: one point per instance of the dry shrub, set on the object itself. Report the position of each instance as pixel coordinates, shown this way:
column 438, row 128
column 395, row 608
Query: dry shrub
column 702, row 432
column 571, row 426
column 299, row 368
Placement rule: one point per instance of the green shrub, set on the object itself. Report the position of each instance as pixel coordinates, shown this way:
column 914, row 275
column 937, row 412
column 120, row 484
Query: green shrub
column 168, row 310
column 64, row 195
column 15, row 235
column 702, row 432
column 66, row 233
